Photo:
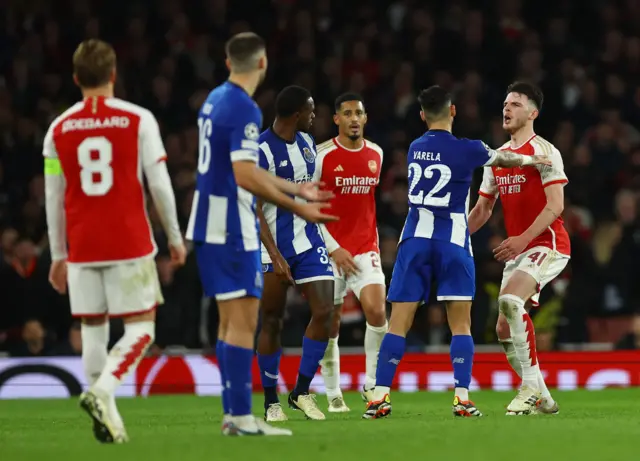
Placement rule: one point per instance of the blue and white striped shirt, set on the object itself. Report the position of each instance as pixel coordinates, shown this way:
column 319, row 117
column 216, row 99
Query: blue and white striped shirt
column 293, row 161
column 440, row 172
column 222, row 212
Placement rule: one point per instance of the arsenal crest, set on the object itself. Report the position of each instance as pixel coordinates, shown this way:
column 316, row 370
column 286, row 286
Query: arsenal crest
column 373, row 166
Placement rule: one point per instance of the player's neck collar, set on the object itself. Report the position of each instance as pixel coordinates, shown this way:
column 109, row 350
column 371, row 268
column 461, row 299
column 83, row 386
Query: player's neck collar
column 364, row 143
column 523, row 143
column 237, row 86
column 293, row 141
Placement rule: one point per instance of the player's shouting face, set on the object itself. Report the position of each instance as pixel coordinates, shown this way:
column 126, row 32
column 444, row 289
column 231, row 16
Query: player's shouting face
column 351, row 119
column 306, row 116
column 517, row 110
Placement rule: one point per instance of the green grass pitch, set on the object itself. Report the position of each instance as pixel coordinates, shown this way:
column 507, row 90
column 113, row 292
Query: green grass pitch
column 598, row 426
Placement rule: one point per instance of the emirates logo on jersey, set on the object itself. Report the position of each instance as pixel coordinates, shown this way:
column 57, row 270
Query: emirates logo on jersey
column 511, row 183
column 356, row 184
column 511, row 179
column 373, row 166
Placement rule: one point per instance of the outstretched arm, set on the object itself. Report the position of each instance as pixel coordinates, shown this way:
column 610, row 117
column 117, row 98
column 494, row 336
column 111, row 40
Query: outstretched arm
column 264, row 185
column 507, row 159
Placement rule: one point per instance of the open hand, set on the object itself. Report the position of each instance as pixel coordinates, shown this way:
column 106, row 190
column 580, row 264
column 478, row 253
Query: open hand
column 541, row 160
column 344, row 261
column 312, row 212
column 311, row 191
column 281, row 268
column 509, row 248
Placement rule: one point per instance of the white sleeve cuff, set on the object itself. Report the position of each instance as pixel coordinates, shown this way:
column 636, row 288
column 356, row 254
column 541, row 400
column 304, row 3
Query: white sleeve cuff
column 492, row 157
column 244, row 155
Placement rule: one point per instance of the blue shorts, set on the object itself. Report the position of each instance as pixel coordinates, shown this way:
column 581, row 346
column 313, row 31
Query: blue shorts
column 228, row 273
column 309, row 266
column 422, row 261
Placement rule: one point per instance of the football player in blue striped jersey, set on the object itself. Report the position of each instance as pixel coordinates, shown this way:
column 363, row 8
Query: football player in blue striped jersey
column 293, row 251
column 435, row 245
column 224, row 227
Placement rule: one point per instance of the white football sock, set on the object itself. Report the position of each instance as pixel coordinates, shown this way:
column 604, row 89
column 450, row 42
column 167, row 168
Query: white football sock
column 330, row 369
column 542, row 387
column 95, row 340
column 462, row 393
column 125, row 355
column 373, row 337
column 380, row 392
column 524, row 338
column 510, row 352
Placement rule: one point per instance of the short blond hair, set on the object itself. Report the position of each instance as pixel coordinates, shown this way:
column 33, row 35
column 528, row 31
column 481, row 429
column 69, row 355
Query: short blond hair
column 93, row 63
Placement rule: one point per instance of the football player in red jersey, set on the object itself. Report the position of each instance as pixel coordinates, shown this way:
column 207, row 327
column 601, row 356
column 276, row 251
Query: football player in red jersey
column 537, row 248
column 350, row 166
column 95, row 155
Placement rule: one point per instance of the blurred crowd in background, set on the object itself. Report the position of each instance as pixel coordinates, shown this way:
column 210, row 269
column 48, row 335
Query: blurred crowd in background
column 585, row 55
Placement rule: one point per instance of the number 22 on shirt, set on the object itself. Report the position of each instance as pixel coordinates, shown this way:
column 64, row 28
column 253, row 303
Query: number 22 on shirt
column 432, row 198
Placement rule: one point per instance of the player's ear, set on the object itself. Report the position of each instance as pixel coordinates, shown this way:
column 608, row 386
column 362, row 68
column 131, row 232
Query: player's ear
column 534, row 114
column 75, row 80
column 227, row 63
column 365, row 118
column 336, row 119
column 422, row 116
column 262, row 62
column 452, row 110
column 112, row 77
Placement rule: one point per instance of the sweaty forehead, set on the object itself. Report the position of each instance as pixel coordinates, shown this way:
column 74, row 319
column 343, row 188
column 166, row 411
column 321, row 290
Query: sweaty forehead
column 351, row 106
column 517, row 97
column 309, row 105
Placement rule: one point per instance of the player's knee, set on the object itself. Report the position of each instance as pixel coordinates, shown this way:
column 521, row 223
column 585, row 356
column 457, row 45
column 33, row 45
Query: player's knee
column 272, row 325
column 323, row 315
column 377, row 317
column 509, row 305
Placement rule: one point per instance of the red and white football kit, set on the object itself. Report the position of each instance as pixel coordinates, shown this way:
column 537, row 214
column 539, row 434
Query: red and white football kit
column 96, row 204
column 521, row 190
column 352, row 175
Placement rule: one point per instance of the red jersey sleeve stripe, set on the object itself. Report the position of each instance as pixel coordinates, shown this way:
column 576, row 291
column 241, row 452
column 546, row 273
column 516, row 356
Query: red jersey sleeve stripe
column 162, row 159
column 484, row 194
column 557, row 181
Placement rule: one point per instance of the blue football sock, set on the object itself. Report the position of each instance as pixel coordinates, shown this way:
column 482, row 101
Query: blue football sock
column 391, row 352
column 238, row 370
column 269, row 367
column 220, row 353
column 312, row 353
column 461, row 352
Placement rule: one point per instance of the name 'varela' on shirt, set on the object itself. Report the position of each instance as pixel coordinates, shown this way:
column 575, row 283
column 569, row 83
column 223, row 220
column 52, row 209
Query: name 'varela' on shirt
column 114, row 121
column 419, row 155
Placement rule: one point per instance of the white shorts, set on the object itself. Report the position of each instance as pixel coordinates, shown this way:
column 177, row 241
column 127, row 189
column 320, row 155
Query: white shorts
column 541, row 263
column 119, row 290
column 370, row 274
